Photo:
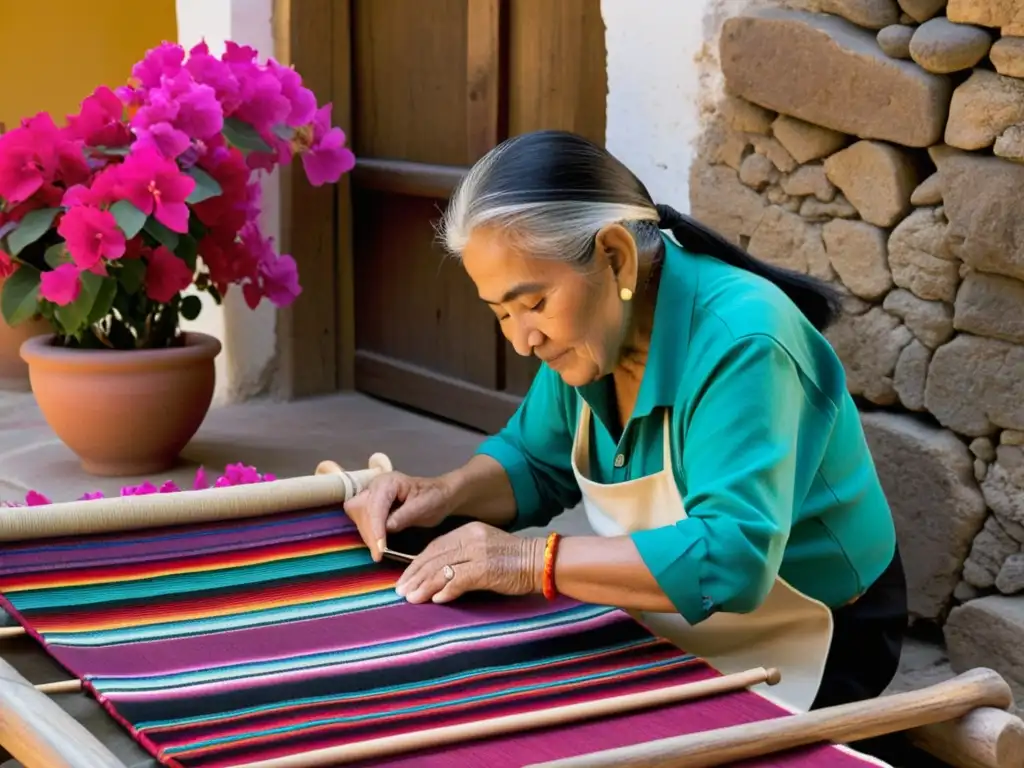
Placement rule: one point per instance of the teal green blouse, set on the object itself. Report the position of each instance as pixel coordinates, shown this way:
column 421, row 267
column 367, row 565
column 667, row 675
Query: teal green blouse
column 767, row 448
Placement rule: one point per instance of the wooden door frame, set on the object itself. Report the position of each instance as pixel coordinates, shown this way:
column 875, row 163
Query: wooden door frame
column 316, row 336
column 316, row 345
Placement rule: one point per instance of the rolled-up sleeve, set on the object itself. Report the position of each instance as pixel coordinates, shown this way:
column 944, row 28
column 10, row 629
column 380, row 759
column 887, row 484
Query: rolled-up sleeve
column 535, row 450
column 743, row 439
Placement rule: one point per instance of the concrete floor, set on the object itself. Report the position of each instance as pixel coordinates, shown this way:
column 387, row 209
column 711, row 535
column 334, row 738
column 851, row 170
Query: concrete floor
column 287, row 439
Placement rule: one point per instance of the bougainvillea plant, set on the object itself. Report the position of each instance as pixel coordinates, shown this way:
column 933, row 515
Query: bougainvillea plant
column 234, row 474
column 112, row 223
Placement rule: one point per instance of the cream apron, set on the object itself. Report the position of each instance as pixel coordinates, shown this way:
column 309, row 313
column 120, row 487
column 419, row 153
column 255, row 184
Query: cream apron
column 789, row 630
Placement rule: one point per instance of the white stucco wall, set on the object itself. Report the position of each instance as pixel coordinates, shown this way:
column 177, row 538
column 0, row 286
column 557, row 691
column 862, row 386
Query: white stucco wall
column 248, row 336
column 663, row 78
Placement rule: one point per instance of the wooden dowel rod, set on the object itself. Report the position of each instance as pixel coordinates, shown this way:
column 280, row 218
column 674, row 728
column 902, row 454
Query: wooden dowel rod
column 849, row 722
column 330, row 485
column 61, row 686
column 6, row 632
column 39, row 734
column 984, row 738
column 496, row 726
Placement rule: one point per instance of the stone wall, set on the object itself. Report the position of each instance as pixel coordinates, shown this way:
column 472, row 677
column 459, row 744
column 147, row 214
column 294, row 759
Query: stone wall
column 879, row 145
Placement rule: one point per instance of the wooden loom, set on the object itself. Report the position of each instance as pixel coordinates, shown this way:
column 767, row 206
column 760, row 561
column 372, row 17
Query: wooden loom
column 964, row 721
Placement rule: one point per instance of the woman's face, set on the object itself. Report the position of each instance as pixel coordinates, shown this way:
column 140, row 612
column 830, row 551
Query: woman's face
column 571, row 318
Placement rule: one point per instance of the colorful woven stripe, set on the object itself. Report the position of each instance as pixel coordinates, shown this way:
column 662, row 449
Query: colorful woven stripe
column 224, row 644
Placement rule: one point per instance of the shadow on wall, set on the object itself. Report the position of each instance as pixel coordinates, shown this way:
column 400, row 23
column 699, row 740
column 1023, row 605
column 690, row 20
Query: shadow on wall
column 881, row 147
column 54, row 54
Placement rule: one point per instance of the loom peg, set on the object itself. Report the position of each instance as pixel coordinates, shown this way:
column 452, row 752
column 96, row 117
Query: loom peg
column 7, row 632
column 61, row 686
column 496, row 726
column 940, row 703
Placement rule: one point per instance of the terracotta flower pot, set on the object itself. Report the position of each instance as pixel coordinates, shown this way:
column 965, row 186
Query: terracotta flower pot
column 124, row 412
column 13, row 371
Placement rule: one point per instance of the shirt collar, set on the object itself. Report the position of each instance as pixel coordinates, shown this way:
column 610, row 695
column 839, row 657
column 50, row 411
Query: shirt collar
column 670, row 337
column 666, row 358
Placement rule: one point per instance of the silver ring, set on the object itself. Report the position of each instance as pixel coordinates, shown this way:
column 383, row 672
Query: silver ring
column 449, row 573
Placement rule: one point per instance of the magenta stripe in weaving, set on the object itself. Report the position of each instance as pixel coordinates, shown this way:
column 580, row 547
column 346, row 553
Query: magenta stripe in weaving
column 267, row 670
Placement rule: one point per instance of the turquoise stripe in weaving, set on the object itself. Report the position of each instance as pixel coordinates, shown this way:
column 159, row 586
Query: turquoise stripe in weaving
column 423, row 642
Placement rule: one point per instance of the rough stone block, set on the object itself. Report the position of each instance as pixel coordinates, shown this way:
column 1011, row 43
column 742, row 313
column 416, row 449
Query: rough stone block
column 987, row 13
column 982, row 107
column 869, row 346
column 930, row 321
column 720, row 200
column 991, row 305
column 919, row 258
column 928, row 478
column 877, row 178
column 895, row 40
column 837, row 77
column 971, row 388
column 987, row 632
column 922, row 10
column 804, row 141
column 942, row 47
column 1007, row 56
column 857, row 251
column 985, row 208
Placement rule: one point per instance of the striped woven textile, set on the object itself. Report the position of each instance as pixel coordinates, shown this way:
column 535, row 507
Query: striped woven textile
column 230, row 643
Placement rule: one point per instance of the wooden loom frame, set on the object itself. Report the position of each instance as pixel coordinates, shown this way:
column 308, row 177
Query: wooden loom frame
column 964, row 721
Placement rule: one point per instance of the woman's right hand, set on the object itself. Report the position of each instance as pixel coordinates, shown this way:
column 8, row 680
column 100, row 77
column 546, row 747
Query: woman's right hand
column 393, row 502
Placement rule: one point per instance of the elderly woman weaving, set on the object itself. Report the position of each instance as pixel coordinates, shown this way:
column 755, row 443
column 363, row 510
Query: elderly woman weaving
column 688, row 398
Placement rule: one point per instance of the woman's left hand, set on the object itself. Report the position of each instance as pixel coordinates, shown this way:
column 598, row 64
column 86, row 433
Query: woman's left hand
column 473, row 557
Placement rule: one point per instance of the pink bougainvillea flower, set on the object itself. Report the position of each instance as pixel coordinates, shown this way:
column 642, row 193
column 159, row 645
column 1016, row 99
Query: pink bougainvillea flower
column 166, row 275
column 200, row 483
column 61, row 285
column 102, row 190
column 7, row 265
column 209, row 70
column 21, row 173
column 143, row 489
column 91, row 496
column 99, row 122
column 91, row 235
column 165, row 60
column 301, row 99
column 164, row 138
column 200, row 115
column 327, row 157
column 277, row 276
column 155, row 185
column 36, row 499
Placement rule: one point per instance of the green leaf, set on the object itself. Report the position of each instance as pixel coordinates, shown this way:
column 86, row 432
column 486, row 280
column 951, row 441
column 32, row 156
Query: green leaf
column 35, row 224
column 115, row 151
column 206, row 186
column 191, row 306
column 161, row 234
column 283, row 131
column 75, row 317
column 19, row 300
column 187, row 250
column 244, row 136
column 129, row 218
column 56, row 255
column 130, row 274
column 104, row 300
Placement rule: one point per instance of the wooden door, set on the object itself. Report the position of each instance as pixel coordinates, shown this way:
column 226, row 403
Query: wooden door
column 434, row 85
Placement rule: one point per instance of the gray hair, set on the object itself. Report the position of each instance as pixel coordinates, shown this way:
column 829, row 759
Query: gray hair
column 549, row 215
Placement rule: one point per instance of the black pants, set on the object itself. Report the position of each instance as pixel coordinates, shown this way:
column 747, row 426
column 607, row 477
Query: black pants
column 867, row 640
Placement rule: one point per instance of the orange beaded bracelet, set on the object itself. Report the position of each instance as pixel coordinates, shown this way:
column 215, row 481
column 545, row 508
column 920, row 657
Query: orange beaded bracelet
column 550, row 552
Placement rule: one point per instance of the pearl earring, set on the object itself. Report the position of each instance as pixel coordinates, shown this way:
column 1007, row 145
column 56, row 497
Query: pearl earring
column 625, row 294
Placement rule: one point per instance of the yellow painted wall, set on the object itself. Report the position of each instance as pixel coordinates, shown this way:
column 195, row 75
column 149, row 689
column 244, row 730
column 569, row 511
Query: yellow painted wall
column 54, row 53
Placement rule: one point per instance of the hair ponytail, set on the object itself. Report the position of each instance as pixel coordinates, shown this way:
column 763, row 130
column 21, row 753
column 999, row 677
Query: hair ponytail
column 818, row 301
